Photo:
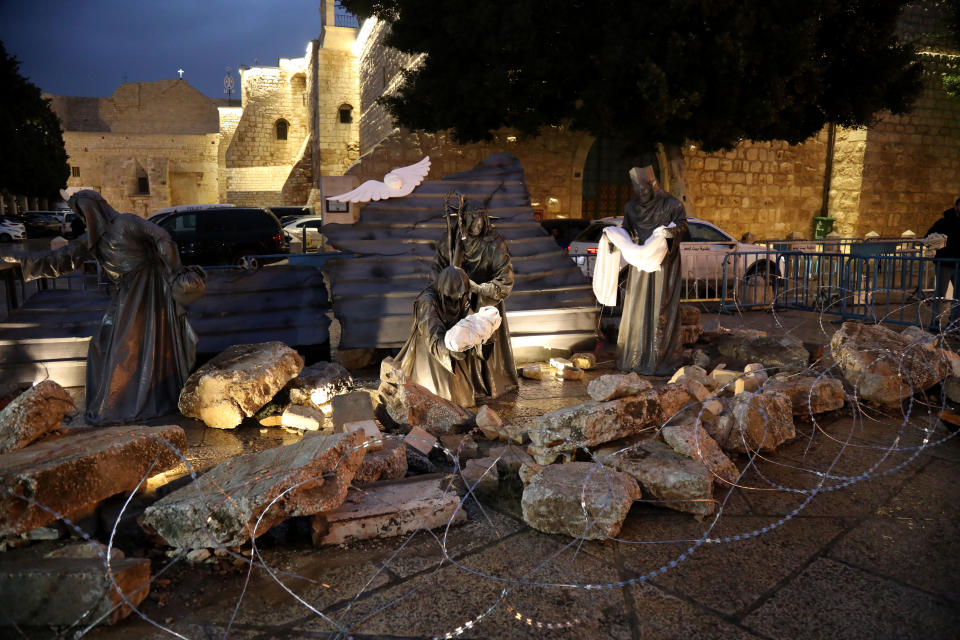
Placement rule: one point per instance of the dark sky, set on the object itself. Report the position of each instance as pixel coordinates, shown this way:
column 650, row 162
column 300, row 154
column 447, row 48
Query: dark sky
column 88, row 47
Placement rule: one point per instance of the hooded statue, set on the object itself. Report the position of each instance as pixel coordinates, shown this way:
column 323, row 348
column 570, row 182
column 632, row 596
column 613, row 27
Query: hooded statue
column 425, row 359
column 141, row 354
column 472, row 244
column 649, row 338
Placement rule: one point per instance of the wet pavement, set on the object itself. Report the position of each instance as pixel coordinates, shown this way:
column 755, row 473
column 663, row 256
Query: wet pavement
column 846, row 532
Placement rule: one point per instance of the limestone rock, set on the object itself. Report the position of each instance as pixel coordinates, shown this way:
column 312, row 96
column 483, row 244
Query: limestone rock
column 694, row 372
column 301, row 417
column 62, row 591
column 882, row 365
column 223, row 506
column 371, row 433
column 421, row 440
column 389, row 463
column 389, row 509
column 695, row 443
column 489, row 422
column 667, row 478
column 70, row 475
column 951, row 388
column 724, row 380
column 591, row 423
column 352, row 407
column 510, row 458
column 481, row 475
column 462, row 446
column 570, row 373
column 617, row 385
column 527, row 470
column 756, row 369
column 785, row 353
column 552, row 500
column 536, row 371
column 585, row 361
column 33, row 414
column 746, row 383
column 413, row 405
column 319, row 383
column 808, row 394
column 761, row 421
column 916, row 335
column 701, row 358
column 238, row 382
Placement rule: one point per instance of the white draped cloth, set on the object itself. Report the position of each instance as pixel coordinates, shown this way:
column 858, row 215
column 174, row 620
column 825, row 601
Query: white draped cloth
column 616, row 245
column 475, row 329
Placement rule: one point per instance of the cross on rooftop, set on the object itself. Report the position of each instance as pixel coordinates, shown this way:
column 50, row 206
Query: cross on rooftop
column 180, row 71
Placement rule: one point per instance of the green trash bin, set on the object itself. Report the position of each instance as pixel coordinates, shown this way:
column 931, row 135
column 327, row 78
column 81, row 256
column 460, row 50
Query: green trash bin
column 822, row 226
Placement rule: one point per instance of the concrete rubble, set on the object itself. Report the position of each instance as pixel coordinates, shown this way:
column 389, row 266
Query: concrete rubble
column 552, row 498
column 71, row 474
column 808, row 394
column 243, row 497
column 354, row 406
column 884, row 366
column 239, row 381
column 613, row 386
column 301, row 417
column 761, row 421
column 389, row 509
column 412, row 405
column 319, row 383
column 389, row 463
column 33, row 414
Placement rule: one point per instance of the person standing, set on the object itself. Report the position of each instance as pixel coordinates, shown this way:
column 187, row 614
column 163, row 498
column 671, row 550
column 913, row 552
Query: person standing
column 948, row 256
column 649, row 338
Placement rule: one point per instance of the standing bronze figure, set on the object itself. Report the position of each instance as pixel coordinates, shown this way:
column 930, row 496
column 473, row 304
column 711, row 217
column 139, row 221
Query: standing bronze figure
column 142, row 352
column 472, row 244
column 649, row 337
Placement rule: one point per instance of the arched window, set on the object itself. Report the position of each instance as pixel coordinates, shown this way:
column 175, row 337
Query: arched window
column 282, row 127
column 345, row 112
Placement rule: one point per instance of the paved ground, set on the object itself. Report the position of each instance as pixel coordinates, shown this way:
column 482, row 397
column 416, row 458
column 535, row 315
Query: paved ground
column 847, row 532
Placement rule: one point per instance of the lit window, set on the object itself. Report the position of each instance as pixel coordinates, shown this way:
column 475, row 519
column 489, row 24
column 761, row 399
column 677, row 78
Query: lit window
column 282, row 126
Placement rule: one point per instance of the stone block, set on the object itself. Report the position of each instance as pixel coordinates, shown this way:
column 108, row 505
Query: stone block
column 481, row 475
column 319, row 383
column 527, row 470
column 421, row 440
column 243, row 497
column 462, row 446
column 238, row 382
column 413, row 405
column 371, row 433
column 809, row 394
column 571, row 373
column 694, row 372
column 694, row 442
column 389, row 463
column 746, row 383
column 553, row 497
column 761, row 421
column 301, row 417
column 271, row 421
column 617, row 385
column 389, row 509
column 71, row 474
column 757, row 369
column 585, row 361
column 352, row 407
column 537, row 371
column 33, row 414
column 724, row 380
column 47, row 592
column 560, row 363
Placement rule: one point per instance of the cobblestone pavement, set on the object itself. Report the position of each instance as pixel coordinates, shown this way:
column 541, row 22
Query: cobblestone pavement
column 847, row 532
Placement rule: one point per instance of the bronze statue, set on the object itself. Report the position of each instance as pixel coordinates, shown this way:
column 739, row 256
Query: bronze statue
column 649, row 337
column 142, row 352
column 425, row 359
column 472, row 244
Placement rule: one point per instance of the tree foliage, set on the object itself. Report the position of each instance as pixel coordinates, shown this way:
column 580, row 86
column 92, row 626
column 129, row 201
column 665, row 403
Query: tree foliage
column 33, row 161
column 707, row 71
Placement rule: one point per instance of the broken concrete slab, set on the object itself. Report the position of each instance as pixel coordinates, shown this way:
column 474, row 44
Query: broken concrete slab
column 239, row 381
column 667, row 478
column 695, row 443
column 319, row 383
column 561, row 432
column 782, row 353
column 421, row 440
column 412, row 405
column 552, row 500
column 352, row 407
column 243, row 497
column 71, row 474
column 389, row 509
column 884, row 366
column 389, row 463
column 461, row 446
column 33, row 414
column 809, row 395
column 371, row 433
column 761, row 421
column 67, row 591
column 617, row 385
column 301, row 417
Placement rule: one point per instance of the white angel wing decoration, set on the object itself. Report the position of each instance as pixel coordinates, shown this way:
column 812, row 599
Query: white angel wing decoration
column 396, row 184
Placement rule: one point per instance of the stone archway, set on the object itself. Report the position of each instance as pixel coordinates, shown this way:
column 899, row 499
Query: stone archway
column 606, row 181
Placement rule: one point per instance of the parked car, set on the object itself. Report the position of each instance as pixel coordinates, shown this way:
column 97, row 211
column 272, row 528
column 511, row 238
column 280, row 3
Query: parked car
column 43, row 223
column 224, row 235
column 308, row 228
column 11, row 230
column 702, row 254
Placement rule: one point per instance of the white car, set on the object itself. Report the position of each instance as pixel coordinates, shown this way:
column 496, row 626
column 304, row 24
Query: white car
column 702, row 255
column 309, row 227
column 10, row 230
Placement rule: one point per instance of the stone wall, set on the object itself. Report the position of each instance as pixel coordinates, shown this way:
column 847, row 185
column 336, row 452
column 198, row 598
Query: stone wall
column 338, row 85
column 181, row 169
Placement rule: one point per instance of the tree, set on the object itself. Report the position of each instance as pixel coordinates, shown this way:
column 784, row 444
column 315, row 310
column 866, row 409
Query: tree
column 34, row 160
column 713, row 72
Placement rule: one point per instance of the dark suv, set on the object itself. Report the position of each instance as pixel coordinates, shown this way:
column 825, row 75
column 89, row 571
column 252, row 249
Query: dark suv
column 224, row 236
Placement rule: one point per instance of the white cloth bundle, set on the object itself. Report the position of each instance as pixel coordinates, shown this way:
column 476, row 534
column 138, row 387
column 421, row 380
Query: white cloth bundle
column 475, row 329
column 616, row 244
